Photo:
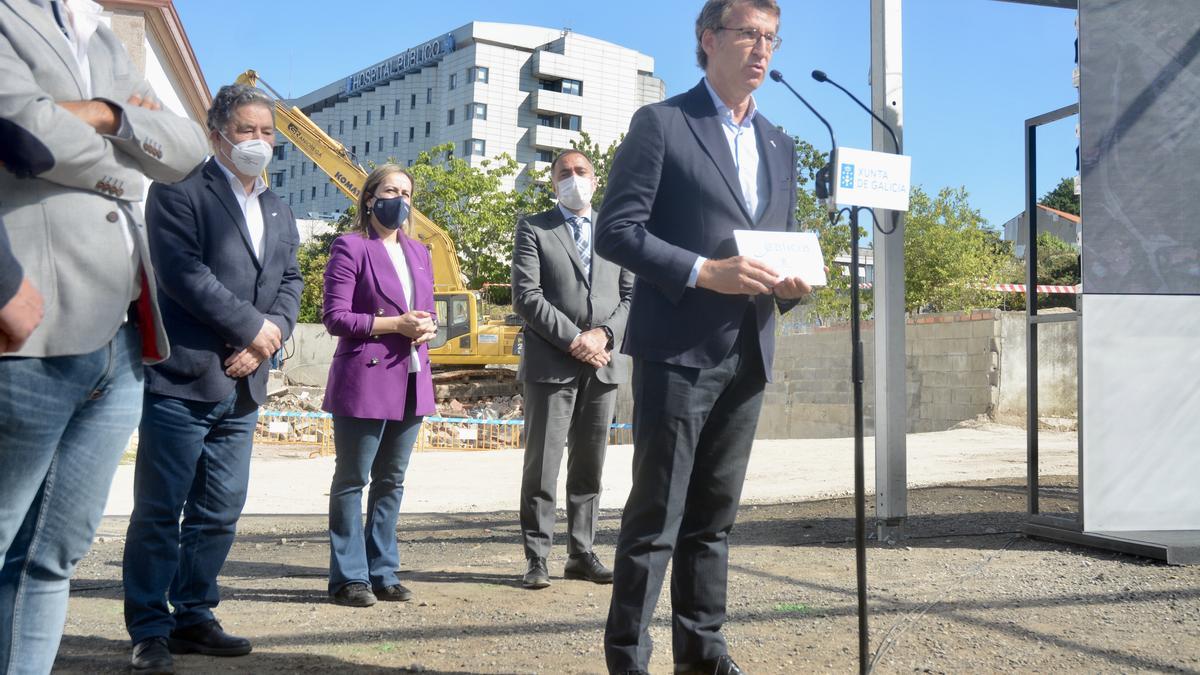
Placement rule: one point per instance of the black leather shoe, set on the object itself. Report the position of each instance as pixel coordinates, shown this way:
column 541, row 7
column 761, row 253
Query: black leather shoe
column 354, row 595
column 722, row 665
column 394, row 593
column 151, row 657
column 207, row 638
column 536, row 575
column 588, row 567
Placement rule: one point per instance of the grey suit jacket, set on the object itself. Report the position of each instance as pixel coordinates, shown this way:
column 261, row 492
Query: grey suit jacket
column 557, row 301
column 65, row 184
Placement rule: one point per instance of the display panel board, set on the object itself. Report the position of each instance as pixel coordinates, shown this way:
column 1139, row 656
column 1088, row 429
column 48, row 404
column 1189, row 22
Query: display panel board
column 1140, row 145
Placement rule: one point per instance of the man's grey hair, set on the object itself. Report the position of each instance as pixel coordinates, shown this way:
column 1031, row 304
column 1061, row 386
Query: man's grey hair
column 714, row 15
column 231, row 97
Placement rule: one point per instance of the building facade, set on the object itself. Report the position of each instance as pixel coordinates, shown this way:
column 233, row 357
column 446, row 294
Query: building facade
column 488, row 88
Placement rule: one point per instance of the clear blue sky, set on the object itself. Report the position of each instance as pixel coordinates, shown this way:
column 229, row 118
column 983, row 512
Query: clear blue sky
column 974, row 70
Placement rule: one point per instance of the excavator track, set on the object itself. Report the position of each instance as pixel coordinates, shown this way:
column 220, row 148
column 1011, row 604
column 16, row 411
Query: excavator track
column 471, row 384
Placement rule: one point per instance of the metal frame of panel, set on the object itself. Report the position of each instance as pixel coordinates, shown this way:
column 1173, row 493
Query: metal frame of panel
column 1033, row 320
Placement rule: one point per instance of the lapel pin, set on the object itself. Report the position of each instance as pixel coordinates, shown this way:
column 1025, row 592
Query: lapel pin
column 773, row 144
column 273, row 213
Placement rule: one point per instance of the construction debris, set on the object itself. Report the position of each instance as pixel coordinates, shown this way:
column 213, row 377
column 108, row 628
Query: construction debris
column 308, row 399
column 498, row 408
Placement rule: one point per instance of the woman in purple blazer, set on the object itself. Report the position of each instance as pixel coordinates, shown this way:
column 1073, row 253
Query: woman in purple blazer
column 379, row 303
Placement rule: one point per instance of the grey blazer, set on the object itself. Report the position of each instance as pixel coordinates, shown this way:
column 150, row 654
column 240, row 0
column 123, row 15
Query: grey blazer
column 557, row 301
column 65, row 184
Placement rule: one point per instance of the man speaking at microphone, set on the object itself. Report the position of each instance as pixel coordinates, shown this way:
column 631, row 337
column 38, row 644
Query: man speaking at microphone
column 693, row 169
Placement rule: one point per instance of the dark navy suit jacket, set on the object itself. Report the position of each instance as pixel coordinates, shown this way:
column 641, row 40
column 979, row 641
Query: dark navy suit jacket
column 213, row 291
column 673, row 194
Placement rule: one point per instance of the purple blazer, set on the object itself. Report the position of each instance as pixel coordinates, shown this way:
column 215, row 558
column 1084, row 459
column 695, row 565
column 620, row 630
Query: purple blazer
column 369, row 374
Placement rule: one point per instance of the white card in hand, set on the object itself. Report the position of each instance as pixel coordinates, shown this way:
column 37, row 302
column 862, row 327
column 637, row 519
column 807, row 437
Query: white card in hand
column 790, row 254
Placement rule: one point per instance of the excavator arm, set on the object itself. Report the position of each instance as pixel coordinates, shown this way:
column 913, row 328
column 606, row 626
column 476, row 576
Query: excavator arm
column 336, row 161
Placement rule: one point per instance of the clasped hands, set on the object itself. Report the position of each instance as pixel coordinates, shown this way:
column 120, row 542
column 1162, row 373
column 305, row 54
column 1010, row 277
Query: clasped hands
column 416, row 325
column 591, row 347
column 246, row 361
column 741, row 275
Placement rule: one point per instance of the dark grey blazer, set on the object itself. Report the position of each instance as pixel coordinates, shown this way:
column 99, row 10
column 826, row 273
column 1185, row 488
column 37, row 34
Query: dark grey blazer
column 213, row 291
column 557, row 301
column 673, row 194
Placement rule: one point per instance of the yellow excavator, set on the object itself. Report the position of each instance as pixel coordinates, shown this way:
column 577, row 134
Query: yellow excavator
column 465, row 344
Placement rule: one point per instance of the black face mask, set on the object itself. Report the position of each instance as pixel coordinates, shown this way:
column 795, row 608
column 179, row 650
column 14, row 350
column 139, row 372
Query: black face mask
column 391, row 213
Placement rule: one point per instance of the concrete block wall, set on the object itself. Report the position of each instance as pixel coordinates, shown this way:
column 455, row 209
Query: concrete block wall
column 1058, row 384
column 959, row 366
column 952, row 365
column 952, row 368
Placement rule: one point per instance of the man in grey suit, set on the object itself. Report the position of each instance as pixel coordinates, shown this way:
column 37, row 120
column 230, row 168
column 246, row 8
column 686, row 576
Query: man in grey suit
column 80, row 134
column 574, row 305
column 693, row 169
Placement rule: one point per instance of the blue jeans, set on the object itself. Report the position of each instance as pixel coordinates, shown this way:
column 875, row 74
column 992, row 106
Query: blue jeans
column 378, row 450
column 193, row 458
column 64, row 422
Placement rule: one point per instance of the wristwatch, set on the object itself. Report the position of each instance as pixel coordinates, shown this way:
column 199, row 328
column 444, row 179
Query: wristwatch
column 609, row 333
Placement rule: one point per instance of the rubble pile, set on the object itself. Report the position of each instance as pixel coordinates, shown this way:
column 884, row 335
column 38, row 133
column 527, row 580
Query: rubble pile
column 308, row 399
column 296, row 399
column 497, row 408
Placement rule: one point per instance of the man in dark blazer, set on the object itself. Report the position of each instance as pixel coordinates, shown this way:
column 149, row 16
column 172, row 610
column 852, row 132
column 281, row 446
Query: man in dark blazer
column 574, row 305
column 230, row 287
column 691, row 170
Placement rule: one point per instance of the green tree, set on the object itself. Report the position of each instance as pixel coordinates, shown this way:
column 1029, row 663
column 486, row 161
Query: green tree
column 1057, row 264
column 312, row 257
column 1063, row 197
column 950, row 255
column 471, row 204
column 601, row 159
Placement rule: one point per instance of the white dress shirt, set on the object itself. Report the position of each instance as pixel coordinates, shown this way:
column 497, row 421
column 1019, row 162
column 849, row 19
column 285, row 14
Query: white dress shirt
column 743, row 147
column 251, row 209
column 396, row 252
column 586, row 224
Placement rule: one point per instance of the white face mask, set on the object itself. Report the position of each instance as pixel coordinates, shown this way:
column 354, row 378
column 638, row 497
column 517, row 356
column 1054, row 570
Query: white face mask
column 575, row 192
column 251, row 157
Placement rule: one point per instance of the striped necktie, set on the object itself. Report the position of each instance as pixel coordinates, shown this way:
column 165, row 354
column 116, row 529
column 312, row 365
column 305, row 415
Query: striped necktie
column 583, row 245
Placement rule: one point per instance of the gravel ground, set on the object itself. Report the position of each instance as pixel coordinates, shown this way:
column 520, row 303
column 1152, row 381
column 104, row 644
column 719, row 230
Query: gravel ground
column 965, row 592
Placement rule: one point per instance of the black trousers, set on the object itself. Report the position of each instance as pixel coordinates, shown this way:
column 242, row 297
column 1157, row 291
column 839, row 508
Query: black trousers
column 693, row 429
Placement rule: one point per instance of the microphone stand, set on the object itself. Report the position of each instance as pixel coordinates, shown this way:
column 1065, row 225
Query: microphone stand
column 824, row 190
column 857, row 380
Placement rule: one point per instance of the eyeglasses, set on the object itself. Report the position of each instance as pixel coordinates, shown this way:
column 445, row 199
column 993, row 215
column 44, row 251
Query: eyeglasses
column 753, row 35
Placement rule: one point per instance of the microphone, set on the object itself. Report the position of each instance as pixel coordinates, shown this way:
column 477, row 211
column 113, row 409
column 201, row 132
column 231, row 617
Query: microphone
column 820, row 76
column 824, row 186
